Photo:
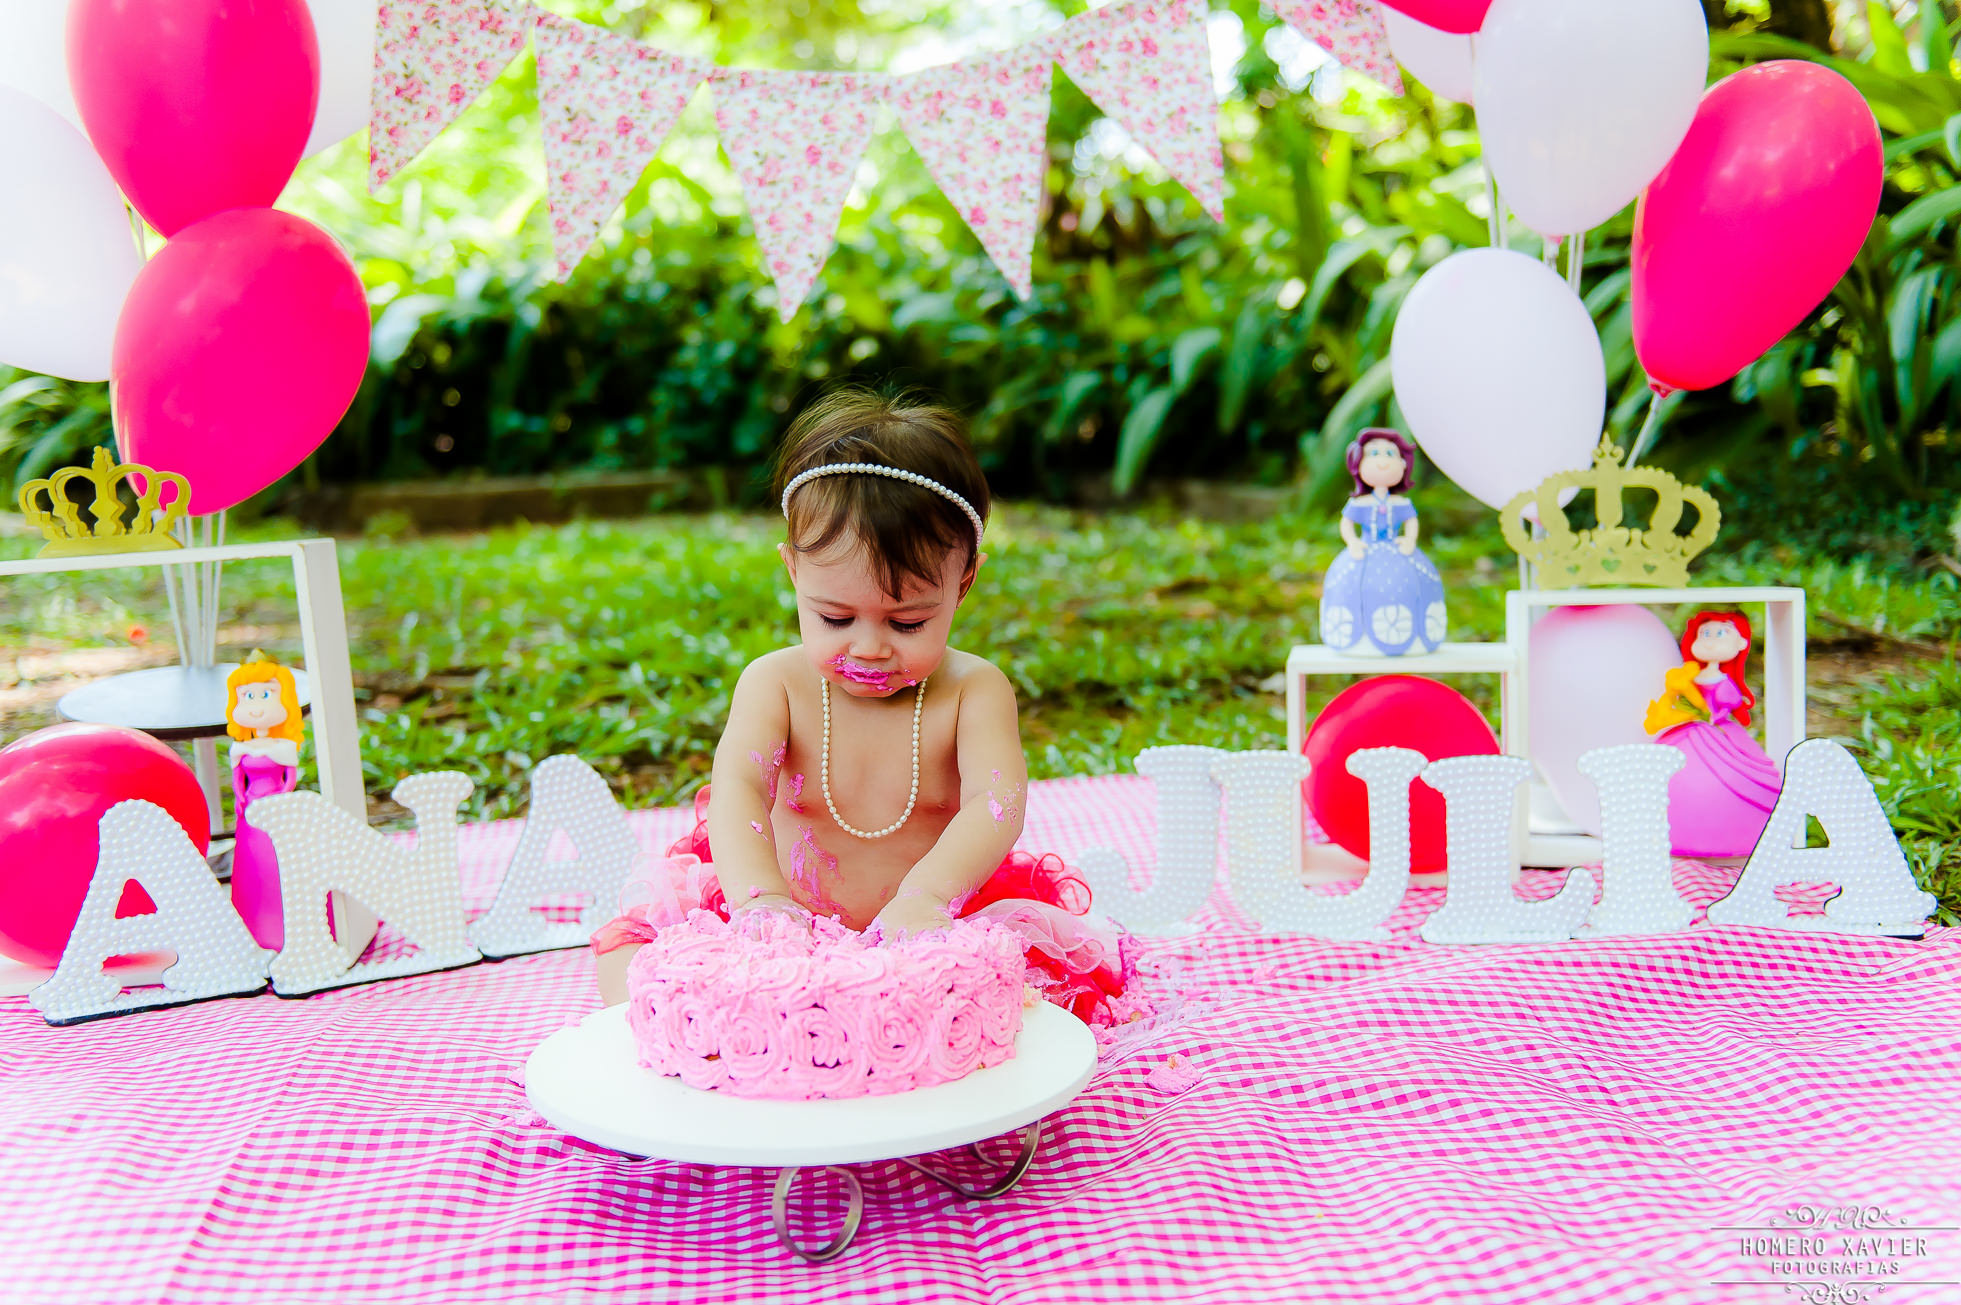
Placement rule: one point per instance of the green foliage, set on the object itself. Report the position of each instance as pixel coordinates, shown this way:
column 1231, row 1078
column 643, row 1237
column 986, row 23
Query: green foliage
column 46, row 424
column 1156, row 342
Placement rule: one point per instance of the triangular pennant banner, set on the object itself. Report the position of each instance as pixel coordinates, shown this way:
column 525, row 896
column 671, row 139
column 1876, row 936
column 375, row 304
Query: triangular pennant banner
column 1147, row 65
column 981, row 126
column 794, row 139
column 607, row 102
column 432, row 58
column 1352, row 31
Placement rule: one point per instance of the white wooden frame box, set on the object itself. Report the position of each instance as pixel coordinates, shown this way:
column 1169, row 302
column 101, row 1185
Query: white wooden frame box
column 1553, row 840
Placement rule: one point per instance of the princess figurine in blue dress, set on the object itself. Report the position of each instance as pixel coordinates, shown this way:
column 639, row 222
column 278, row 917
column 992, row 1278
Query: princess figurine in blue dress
column 1382, row 597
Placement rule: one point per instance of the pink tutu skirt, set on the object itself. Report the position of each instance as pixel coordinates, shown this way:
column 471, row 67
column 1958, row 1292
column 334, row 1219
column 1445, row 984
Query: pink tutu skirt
column 1076, row 964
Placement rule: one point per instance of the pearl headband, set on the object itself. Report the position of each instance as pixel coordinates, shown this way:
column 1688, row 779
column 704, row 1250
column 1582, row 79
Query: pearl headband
column 896, row 473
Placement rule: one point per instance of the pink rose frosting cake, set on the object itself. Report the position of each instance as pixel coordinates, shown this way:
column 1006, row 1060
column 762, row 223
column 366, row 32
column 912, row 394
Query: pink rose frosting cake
column 763, row 1007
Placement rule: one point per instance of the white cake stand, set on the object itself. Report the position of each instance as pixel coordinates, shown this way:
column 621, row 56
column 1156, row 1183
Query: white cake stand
column 587, row 1081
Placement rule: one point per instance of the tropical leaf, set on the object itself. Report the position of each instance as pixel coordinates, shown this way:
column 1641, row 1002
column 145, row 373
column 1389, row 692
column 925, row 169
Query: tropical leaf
column 1142, row 428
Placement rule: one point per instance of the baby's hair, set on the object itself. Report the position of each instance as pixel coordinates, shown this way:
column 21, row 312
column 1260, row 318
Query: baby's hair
column 906, row 529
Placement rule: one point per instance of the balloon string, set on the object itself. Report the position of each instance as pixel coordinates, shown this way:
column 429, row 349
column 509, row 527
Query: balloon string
column 1576, row 260
column 1649, row 429
column 171, row 582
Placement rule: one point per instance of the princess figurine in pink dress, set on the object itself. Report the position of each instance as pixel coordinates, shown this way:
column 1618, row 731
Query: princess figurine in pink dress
column 1720, row 800
column 262, row 714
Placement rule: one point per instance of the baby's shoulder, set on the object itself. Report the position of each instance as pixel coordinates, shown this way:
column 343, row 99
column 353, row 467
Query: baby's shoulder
column 963, row 672
column 777, row 661
column 769, row 673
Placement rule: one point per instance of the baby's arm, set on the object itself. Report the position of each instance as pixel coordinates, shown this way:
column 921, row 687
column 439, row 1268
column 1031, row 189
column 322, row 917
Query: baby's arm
column 739, row 812
column 993, row 780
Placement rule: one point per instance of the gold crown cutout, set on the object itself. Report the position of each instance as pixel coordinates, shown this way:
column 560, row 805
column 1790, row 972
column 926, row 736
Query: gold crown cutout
column 69, row 536
column 1611, row 553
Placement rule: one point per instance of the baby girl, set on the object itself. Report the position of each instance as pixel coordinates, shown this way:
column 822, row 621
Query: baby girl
column 875, row 774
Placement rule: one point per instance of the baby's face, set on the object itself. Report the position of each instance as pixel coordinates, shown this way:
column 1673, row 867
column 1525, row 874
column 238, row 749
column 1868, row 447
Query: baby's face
column 860, row 638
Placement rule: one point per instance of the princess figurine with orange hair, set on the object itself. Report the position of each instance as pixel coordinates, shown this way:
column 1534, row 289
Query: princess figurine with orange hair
column 262, row 714
column 1720, row 800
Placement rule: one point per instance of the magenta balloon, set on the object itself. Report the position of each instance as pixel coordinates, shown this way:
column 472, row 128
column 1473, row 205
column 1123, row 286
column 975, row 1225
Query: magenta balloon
column 1753, row 221
column 196, row 106
column 240, row 346
column 55, row 785
column 1459, row 16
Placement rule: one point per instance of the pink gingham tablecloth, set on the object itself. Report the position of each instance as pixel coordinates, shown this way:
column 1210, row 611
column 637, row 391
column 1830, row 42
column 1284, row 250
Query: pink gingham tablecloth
column 1301, row 1121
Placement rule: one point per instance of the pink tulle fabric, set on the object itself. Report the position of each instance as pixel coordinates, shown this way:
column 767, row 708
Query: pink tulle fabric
column 1075, row 963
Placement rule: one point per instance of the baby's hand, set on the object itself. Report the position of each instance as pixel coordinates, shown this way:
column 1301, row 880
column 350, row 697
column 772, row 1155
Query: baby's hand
column 775, row 903
column 911, row 913
column 1406, row 545
column 1358, row 549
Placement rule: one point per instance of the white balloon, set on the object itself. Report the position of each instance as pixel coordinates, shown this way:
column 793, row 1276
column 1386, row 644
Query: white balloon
column 345, row 30
column 1582, row 102
column 1499, row 373
column 1441, row 60
column 33, row 56
column 1590, row 674
column 67, row 255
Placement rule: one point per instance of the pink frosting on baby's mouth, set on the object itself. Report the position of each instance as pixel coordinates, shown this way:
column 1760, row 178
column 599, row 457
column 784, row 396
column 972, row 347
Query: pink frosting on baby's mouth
column 869, row 676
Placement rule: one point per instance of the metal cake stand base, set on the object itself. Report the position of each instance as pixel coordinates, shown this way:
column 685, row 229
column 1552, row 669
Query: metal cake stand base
column 1031, row 1138
column 588, row 1081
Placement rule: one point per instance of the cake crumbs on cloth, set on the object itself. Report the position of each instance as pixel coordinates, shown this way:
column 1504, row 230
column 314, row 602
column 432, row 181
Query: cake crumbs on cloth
column 1177, row 1075
column 1153, row 1007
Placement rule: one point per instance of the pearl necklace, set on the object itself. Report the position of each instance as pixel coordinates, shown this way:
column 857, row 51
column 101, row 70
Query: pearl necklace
column 824, row 767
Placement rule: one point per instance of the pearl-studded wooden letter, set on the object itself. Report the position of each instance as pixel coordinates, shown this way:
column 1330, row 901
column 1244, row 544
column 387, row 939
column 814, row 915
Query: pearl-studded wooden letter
column 322, row 848
column 1638, row 895
column 1263, row 834
column 216, row 956
column 1479, row 904
column 1187, row 846
column 1358, row 913
column 569, row 795
column 1877, row 894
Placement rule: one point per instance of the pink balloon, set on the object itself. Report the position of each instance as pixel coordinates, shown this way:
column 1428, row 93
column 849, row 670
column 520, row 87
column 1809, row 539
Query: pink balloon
column 240, row 346
column 55, row 785
column 1591, row 672
column 196, row 106
column 1754, row 220
column 1459, row 16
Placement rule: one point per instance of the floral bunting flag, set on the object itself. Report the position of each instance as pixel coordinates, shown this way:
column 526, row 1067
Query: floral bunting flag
column 794, row 139
column 981, row 126
column 1351, row 30
column 432, row 58
column 1148, row 65
column 607, row 102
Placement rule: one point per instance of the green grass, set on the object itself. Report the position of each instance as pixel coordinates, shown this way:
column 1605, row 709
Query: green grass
column 620, row 641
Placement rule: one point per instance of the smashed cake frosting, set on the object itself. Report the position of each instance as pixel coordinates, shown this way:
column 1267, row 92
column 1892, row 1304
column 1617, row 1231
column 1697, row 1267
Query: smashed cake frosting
column 762, row 1006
